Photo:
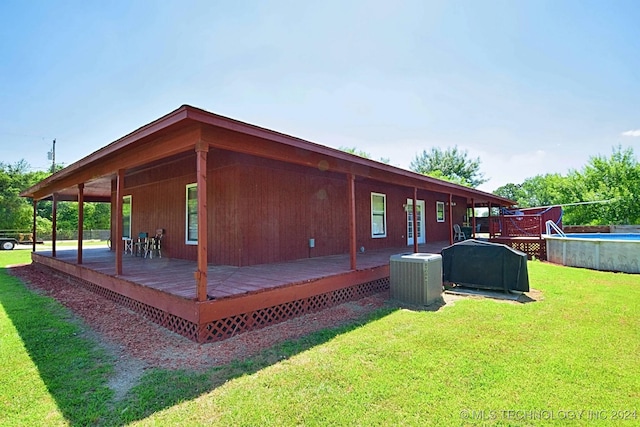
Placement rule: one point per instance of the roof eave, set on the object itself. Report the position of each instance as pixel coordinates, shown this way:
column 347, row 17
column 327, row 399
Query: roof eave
column 186, row 112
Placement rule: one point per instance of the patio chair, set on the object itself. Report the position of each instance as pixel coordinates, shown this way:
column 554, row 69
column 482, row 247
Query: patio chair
column 155, row 244
column 141, row 244
column 458, row 233
column 128, row 245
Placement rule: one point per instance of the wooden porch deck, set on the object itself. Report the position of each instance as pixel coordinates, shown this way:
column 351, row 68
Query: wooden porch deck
column 240, row 298
column 175, row 276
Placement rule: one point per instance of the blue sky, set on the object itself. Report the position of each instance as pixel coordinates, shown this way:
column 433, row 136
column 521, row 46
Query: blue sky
column 530, row 87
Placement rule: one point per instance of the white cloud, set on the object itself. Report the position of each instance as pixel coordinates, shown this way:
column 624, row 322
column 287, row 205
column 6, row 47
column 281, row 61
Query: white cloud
column 635, row 132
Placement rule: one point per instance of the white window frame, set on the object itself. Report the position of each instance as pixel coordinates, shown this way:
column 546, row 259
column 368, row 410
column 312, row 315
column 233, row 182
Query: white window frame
column 187, row 240
column 420, row 232
column 440, row 215
column 378, row 213
column 126, row 233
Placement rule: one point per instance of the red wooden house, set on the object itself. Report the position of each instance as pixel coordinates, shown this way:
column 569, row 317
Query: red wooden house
column 258, row 226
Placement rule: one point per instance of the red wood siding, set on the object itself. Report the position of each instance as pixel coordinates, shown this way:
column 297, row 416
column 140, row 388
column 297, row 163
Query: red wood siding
column 396, row 217
column 281, row 207
column 440, row 231
column 264, row 211
column 260, row 211
column 158, row 201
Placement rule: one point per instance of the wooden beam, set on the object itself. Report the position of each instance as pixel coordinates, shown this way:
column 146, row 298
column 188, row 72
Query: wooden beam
column 415, row 220
column 80, row 220
column 117, row 238
column 473, row 217
column 113, row 208
column 351, row 197
column 491, row 234
column 164, row 301
column 326, row 159
column 54, row 224
column 238, row 304
column 202, row 149
column 163, row 146
column 33, row 229
column 450, row 219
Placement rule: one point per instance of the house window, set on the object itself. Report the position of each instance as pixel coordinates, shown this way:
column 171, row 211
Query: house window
column 378, row 215
column 126, row 217
column 440, row 211
column 192, row 214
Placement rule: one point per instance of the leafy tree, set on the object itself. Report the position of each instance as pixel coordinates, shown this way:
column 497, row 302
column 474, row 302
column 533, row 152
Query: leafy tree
column 617, row 179
column 546, row 190
column 611, row 183
column 510, row 191
column 452, row 164
column 357, row 152
column 16, row 212
column 43, row 227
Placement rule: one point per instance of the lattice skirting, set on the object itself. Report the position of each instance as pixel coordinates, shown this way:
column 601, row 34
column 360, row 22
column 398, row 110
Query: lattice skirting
column 170, row 321
column 533, row 248
column 221, row 329
column 225, row 328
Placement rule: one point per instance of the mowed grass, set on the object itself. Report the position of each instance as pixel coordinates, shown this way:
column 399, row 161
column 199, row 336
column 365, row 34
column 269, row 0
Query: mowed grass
column 470, row 363
column 43, row 351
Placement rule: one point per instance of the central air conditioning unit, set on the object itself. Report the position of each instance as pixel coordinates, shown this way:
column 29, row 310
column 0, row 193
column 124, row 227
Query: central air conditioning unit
column 416, row 278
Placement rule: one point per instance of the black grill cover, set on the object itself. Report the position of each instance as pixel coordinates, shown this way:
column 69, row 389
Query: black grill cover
column 485, row 265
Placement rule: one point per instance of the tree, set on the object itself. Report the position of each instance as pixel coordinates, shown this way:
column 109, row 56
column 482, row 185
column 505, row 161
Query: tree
column 604, row 192
column 546, row 190
column 510, row 191
column 616, row 179
column 451, row 164
column 355, row 151
column 16, row 212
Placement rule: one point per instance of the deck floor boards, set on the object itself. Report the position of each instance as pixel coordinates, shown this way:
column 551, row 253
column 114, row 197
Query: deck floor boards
column 176, row 277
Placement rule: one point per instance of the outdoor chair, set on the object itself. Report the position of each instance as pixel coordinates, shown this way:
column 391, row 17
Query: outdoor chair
column 155, row 244
column 140, row 246
column 458, row 233
column 128, row 245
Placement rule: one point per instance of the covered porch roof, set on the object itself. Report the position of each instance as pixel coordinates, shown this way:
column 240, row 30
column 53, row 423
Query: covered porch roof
column 181, row 130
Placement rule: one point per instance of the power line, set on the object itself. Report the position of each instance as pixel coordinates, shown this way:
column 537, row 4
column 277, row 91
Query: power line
column 572, row 204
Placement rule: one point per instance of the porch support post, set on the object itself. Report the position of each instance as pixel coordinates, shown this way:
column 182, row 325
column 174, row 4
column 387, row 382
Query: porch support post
column 351, row 197
column 202, row 148
column 33, row 230
column 415, row 220
column 117, row 238
column 491, row 227
column 54, row 224
column 450, row 220
column 473, row 217
column 80, row 220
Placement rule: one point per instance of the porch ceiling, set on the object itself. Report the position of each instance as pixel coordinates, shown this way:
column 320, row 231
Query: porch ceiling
column 96, row 190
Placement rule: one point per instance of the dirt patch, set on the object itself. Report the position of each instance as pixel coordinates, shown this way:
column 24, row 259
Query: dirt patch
column 127, row 334
column 456, row 292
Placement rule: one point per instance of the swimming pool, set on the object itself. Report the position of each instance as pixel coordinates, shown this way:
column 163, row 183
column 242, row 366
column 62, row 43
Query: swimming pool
column 597, row 251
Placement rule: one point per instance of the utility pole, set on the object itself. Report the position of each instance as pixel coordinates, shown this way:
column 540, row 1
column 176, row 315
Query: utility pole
column 52, row 157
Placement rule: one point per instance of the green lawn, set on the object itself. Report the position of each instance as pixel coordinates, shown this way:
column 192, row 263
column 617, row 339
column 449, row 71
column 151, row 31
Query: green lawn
column 476, row 362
